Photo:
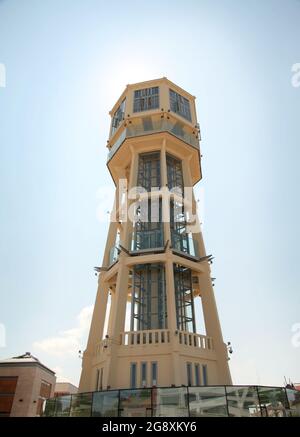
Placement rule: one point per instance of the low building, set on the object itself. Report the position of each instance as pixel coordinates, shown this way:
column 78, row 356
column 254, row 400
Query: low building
column 24, row 385
column 64, row 388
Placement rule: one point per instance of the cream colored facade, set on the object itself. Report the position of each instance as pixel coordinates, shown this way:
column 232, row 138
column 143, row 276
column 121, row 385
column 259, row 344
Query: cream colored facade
column 164, row 123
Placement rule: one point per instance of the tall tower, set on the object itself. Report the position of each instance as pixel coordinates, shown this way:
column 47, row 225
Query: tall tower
column 155, row 274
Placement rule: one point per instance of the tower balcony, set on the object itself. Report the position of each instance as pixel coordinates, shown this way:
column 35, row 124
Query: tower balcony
column 189, row 341
column 148, row 125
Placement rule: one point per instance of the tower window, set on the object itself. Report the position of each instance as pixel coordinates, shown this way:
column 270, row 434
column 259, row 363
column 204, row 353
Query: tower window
column 143, row 374
column 197, row 375
column 154, row 373
column 101, row 379
column 180, row 105
column 133, row 375
column 97, row 379
column 204, row 374
column 189, row 374
column 145, row 99
column 118, row 117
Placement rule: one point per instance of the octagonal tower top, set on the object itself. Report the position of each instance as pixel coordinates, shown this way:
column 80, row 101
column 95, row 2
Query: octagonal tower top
column 158, row 107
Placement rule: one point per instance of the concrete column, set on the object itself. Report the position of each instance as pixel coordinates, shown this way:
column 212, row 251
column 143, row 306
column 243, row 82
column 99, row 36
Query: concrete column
column 112, row 232
column 117, row 324
column 187, row 179
column 165, row 194
column 172, row 322
column 213, row 327
column 95, row 335
column 126, row 233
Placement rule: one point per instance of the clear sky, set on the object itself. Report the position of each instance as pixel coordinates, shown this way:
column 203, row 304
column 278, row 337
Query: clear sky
column 66, row 62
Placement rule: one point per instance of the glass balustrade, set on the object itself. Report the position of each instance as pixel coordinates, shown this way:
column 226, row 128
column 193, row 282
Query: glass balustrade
column 195, row 401
column 154, row 126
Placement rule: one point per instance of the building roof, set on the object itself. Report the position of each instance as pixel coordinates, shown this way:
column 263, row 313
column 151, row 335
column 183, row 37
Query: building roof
column 65, row 387
column 24, row 360
column 149, row 83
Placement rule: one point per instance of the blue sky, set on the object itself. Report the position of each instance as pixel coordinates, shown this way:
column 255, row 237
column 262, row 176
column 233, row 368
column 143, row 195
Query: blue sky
column 66, row 63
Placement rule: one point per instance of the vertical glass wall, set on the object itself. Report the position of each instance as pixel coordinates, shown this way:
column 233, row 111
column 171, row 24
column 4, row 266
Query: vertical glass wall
column 207, row 402
column 49, row 410
column 149, row 304
column 148, row 227
column 149, row 171
column 294, row 402
column 170, row 402
column 243, row 402
column 174, row 174
column 210, row 401
column 106, row 404
column 181, row 239
column 273, row 401
column 135, row 403
column 63, row 405
column 81, row 405
column 185, row 312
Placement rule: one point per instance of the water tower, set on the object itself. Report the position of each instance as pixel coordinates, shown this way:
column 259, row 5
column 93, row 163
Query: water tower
column 155, row 275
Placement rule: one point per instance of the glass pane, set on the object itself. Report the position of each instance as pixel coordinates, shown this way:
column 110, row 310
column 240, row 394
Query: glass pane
column 243, row 402
column 105, row 404
column 170, row 402
column 149, row 171
column 185, row 313
column 145, row 99
column 50, row 408
column 273, row 401
column 149, row 304
column 135, row 403
column 81, row 405
column 207, row 402
column 294, row 401
column 63, row 404
column 180, row 105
